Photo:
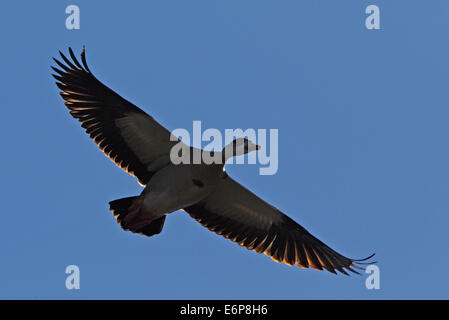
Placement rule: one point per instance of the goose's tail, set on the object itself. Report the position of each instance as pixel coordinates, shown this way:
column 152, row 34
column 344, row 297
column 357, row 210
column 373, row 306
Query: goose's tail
column 122, row 207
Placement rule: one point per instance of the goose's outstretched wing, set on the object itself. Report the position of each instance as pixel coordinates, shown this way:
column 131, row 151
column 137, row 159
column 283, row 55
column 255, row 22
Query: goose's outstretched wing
column 126, row 134
column 237, row 214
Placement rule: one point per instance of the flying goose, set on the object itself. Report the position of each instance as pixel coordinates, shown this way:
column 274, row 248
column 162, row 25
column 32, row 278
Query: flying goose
column 141, row 146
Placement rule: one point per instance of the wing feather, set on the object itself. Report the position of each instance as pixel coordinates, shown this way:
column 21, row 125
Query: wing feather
column 126, row 134
column 237, row 214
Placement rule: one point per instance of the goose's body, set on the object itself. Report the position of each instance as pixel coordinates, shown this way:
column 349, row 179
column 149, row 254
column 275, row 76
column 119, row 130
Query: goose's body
column 175, row 187
column 141, row 146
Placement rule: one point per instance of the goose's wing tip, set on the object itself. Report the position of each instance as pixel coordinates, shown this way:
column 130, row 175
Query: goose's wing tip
column 360, row 263
column 365, row 259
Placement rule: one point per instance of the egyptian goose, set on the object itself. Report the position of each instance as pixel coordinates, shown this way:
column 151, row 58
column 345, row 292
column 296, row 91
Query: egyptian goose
column 141, row 146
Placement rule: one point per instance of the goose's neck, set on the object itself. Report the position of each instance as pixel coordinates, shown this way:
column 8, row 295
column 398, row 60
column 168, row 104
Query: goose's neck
column 228, row 152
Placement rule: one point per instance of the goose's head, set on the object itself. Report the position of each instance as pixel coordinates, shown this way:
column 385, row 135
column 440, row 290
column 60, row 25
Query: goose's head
column 239, row 147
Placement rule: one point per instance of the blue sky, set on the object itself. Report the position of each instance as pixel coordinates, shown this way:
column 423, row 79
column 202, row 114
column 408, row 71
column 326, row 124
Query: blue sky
column 363, row 144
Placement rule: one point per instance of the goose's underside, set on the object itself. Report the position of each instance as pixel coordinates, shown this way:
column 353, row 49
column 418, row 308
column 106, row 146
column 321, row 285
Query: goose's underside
column 140, row 145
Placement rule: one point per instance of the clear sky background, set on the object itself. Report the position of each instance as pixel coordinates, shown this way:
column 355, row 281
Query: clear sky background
column 363, row 144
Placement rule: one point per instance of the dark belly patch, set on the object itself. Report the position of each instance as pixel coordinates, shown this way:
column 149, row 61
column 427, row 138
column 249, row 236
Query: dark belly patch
column 198, row 183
